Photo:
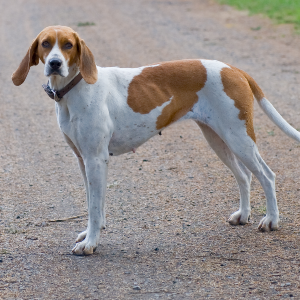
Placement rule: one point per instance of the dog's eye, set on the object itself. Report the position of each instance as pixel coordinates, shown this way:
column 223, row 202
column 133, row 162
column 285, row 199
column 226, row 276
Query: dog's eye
column 46, row 44
column 68, row 46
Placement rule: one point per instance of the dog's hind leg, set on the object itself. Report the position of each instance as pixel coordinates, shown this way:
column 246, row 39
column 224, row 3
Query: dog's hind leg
column 241, row 173
column 246, row 151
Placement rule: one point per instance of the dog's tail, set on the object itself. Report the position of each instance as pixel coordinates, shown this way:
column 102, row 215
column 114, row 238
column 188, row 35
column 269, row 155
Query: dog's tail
column 270, row 110
column 276, row 118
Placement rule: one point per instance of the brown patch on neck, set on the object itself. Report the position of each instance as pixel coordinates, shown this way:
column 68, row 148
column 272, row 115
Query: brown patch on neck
column 237, row 87
column 178, row 81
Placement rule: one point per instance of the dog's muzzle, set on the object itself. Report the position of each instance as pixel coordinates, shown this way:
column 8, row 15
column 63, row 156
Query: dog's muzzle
column 55, row 63
column 54, row 67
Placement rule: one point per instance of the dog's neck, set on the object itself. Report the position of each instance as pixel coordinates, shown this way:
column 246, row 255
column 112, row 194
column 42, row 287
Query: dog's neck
column 57, row 82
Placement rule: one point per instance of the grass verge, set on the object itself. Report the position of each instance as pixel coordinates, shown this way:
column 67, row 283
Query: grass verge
column 80, row 24
column 282, row 11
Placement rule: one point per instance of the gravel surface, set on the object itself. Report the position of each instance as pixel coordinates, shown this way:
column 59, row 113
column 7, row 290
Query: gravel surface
column 167, row 235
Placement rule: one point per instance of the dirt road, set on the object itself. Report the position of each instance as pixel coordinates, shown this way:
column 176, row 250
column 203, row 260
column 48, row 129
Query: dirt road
column 167, row 205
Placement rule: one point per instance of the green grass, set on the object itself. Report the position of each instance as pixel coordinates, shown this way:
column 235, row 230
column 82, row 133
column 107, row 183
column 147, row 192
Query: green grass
column 262, row 210
column 282, row 11
column 85, row 24
column 271, row 133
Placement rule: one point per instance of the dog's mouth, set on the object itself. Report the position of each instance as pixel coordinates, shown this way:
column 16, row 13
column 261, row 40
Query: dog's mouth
column 56, row 73
column 49, row 72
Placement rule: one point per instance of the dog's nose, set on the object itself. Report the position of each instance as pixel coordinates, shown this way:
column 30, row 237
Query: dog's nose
column 55, row 63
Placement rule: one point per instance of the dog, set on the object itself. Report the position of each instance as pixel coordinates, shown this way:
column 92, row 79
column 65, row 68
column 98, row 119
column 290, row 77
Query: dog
column 111, row 111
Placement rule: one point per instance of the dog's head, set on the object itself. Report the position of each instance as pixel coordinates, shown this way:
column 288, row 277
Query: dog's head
column 59, row 48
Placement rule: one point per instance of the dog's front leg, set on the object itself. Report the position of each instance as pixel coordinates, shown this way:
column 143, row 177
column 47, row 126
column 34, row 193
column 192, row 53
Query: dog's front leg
column 81, row 165
column 96, row 173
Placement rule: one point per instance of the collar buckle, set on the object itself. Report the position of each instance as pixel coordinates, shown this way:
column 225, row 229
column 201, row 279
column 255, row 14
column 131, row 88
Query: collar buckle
column 58, row 95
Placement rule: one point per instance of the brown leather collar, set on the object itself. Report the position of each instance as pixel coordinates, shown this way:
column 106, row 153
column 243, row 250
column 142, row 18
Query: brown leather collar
column 57, row 95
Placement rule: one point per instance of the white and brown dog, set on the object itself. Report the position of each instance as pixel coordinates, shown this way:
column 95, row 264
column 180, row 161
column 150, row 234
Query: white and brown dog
column 115, row 110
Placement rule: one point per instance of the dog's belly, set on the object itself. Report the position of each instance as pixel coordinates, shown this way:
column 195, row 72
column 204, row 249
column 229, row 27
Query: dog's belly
column 123, row 141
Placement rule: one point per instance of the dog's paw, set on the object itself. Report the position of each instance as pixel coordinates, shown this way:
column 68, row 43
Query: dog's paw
column 85, row 247
column 81, row 236
column 268, row 223
column 239, row 218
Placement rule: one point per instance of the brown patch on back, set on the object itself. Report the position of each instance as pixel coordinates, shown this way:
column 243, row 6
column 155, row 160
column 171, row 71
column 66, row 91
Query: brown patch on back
column 179, row 80
column 238, row 88
column 256, row 90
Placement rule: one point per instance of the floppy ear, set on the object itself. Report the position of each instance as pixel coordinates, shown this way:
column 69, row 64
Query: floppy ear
column 87, row 63
column 31, row 59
